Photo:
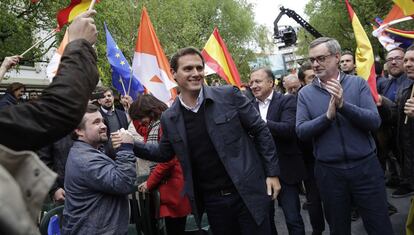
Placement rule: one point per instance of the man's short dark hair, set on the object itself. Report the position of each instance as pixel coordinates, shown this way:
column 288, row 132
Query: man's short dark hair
column 14, row 87
column 346, row 52
column 182, row 52
column 103, row 90
column 90, row 108
column 301, row 73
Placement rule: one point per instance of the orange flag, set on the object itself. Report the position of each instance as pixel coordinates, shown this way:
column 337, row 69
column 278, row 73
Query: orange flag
column 364, row 55
column 218, row 59
column 150, row 65
column 75, row 8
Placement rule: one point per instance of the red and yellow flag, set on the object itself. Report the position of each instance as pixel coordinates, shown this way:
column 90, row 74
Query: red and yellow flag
column 407, row 6
column 364, row 55
column 218, row 58
column 75, row 8
column 150, row 65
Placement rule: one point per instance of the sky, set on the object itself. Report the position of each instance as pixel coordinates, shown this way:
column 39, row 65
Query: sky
column 266, row 11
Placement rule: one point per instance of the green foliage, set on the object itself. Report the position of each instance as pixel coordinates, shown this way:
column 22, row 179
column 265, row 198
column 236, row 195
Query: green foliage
column 331, row 19
column 177, row 24
column 18, row 19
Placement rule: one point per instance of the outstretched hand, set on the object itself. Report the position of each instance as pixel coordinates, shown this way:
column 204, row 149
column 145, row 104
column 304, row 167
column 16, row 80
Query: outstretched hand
column 10, row 61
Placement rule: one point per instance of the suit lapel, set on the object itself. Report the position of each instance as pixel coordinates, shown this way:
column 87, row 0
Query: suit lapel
column 178, row 120
column 273, row 106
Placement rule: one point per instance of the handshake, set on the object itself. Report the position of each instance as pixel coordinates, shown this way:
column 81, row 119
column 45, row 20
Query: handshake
column 121, row 136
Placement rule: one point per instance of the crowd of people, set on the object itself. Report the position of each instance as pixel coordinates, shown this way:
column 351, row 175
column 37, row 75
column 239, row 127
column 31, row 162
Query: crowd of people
column 216, row 150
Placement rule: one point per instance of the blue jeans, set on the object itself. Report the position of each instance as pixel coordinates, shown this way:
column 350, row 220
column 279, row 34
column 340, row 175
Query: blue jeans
column 228, row 215
column 364, row 186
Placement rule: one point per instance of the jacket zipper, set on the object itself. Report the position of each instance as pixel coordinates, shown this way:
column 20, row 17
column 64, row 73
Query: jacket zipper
column 338, row 124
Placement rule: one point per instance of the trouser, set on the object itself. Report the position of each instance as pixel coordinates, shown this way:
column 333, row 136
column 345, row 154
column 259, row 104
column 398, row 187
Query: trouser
column 314, row 203
column 364, row 185
column 175, row 226
column 290, row 203
column 387, row 151
column 228, row 215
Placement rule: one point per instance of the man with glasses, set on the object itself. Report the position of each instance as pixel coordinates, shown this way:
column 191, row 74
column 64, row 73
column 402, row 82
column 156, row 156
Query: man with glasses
column 399, row 87
column 389, row 89
column 337, row 112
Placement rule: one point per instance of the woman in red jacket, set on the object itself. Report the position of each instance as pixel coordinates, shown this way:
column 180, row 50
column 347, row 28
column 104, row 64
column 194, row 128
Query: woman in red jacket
column 168, row 176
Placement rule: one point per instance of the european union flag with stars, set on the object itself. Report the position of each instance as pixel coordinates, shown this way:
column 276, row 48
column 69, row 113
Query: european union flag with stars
column 121, row 70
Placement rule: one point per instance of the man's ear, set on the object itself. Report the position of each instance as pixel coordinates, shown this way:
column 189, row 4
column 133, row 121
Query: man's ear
column 338, row 58
column 79, row 132
column 173, row 73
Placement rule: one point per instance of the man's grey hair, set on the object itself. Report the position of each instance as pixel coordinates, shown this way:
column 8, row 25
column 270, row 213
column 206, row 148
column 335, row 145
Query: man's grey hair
column 290, row 77
column 331, row 43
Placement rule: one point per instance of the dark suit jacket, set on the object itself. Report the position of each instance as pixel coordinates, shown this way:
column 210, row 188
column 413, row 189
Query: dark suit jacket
column 281, row 118
column 123, row 120
column 241, row 138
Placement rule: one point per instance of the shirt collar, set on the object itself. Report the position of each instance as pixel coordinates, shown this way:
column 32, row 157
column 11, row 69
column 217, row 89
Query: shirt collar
column 321, row 84
column 106, row 110
column 267, row 100
column 199, row 101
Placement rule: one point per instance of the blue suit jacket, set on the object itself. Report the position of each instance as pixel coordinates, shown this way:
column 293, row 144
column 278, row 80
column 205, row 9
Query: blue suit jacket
column 241, row 138
column 281, row 118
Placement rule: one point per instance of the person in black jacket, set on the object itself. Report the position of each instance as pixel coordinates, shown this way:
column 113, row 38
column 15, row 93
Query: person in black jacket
column 396, row 113
column 25, row 180
column 279, row 113
column 225, row 149
column 13, row 94
column 55, row 156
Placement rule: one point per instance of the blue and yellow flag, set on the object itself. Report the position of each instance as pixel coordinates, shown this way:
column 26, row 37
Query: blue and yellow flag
column 122, row 78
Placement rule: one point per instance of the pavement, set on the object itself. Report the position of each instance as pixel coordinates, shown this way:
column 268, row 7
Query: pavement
column 398, row 220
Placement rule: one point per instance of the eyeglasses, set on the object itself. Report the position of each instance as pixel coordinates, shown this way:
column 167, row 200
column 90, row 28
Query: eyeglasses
column 397, row 59
column 319, row 59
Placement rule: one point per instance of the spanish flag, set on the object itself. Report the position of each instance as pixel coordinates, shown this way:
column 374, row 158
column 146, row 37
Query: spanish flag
column 364, row 56
column 407, row 6
column 218, row 58
column 75, row 8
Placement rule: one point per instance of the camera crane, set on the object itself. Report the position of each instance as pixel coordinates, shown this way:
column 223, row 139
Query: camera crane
column 288, row 34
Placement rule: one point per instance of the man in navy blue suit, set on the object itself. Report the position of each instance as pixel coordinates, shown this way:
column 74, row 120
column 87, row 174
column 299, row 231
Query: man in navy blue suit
column 224, row 147
column 279, row 113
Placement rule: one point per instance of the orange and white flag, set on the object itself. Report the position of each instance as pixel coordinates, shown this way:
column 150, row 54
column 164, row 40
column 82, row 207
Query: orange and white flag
column 150, row 65
column 53, row 65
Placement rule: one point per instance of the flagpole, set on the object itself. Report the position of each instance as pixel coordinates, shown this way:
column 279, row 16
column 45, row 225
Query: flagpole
column 406, row 117
column 50, row 35
column 122, row 83
column 130, row 81
column 92, row 4
column 395, row 22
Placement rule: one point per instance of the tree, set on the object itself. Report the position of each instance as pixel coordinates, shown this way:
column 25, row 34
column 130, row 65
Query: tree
column 331, row 19
column 19, row 19
column 177, row 23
